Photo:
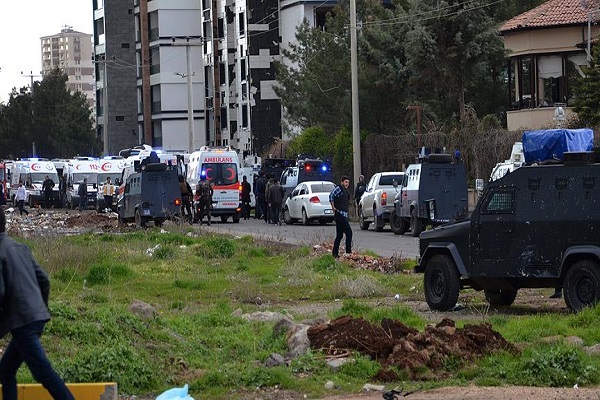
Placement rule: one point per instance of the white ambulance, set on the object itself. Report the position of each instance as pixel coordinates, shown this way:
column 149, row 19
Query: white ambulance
column 32, row 172
column 78, row 169
column 219, row 165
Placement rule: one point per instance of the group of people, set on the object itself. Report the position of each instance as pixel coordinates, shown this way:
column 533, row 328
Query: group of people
column 269, row 198
column 204, row 194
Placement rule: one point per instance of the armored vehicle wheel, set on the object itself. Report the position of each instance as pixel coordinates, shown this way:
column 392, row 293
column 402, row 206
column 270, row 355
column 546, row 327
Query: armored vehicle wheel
column 442, row 283
column 305, row 220
column 379, row 221
column 500, row 297
column 399, row 225
column 286, row 216
column 236, row 218
column 582, row 285
column 364, row 225
column 416, row 226
column 139, row 220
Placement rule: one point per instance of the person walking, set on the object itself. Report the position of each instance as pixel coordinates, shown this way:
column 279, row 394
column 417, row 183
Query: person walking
column 21, row 197
column 47, row 187
column 24, row 302
column 82, row 192
column 108, row 191
column 246, row 190
column 340, row 200
column 275, row 201
column 260, row 186
column 361, row 187
column 186, row 198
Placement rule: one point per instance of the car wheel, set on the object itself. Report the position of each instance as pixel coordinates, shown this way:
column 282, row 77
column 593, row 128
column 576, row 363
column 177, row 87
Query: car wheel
column 139, row 220
column 500, row 298
column 236, row 218
column 582, row 285
column 364, row 225
column 305, row 220
column 379, row 221
column 416, row 226
column 224, row 218
column 286, row 216
column 442, row 283
column 398, row 224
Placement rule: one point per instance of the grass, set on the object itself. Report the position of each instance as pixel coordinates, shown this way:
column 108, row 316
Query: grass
column 196, row 283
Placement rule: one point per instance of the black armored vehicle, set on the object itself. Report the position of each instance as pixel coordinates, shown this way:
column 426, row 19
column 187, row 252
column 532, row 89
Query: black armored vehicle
column 537, row 227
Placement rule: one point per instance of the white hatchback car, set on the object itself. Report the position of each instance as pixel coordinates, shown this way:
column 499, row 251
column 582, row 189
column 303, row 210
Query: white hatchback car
column 309, row 201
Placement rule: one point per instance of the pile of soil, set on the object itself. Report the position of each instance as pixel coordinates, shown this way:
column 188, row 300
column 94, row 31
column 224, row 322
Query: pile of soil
column 420, row 355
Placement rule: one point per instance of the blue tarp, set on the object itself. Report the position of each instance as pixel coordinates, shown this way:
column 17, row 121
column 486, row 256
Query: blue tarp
column 551, row 144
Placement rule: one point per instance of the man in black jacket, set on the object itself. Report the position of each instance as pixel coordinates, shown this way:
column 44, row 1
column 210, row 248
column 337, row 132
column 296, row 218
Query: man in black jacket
column 47, row 187
column 24, row 292
column 340, row 201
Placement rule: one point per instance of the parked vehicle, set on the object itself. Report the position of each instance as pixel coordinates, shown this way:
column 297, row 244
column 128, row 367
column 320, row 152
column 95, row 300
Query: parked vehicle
column 78, row 169
column 151, row 194
column 32, row 172
column 309, row 201
column 516, row 159
column 536, row 227
column 377, row 203
column 433, row 192
column 220, row 166
column 307, row 169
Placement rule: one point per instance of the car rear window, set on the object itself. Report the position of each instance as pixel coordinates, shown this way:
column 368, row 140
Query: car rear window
column 389, row 180
column 322, row 187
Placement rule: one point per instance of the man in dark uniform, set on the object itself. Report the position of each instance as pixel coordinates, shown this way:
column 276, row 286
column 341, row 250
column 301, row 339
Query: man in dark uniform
column 340, row 201
column 47, row 187
column 246, row 190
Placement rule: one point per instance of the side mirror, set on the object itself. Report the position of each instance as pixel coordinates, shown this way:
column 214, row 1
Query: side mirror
column 479, row 185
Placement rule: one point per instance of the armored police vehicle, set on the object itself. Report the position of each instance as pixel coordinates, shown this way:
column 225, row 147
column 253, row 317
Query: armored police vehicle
column 151, row 194
column 537, row 227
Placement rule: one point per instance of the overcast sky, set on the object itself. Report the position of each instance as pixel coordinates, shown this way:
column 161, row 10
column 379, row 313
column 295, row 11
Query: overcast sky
column 22, row 24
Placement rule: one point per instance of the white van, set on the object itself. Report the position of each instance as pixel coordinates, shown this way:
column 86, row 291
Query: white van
column 78, row 169
column 32, row 172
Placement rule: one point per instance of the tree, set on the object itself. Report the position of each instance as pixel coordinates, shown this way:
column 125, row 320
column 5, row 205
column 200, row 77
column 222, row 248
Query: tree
column 587, row 92
column 59, row 123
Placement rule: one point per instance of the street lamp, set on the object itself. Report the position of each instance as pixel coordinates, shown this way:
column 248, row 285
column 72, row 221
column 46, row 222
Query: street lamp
column 418, row 110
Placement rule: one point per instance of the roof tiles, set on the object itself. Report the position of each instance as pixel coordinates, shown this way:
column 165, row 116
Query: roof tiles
column 553, row 13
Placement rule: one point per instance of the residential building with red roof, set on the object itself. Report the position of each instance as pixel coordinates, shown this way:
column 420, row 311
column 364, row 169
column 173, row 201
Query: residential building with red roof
column 547, row 47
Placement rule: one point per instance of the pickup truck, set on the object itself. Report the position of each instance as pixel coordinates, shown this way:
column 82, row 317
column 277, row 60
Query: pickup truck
column 377, row 203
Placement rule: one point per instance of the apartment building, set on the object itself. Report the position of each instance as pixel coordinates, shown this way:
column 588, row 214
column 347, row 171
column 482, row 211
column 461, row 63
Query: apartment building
column 71, row 52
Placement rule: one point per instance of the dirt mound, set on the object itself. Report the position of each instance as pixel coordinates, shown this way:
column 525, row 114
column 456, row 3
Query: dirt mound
column 386, row 265
column 421, row 355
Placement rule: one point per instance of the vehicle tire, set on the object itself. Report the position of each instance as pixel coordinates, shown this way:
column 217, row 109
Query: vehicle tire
column 442, row 283
column 396, row 223
column 158, row 222
column 416, row 226
column 501, row 298
column 379, row 221
column 120, row 219
column 305, row 220
column 236, row 218
column 224, row 218
column 139, row 220
column 364, row 225
column 286, row 216
column 582, row 285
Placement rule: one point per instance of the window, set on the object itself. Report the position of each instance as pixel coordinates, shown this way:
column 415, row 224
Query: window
column 499, row 202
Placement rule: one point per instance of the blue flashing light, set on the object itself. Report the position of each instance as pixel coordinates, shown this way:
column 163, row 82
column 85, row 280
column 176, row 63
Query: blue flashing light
column 324, row 168
column 203, row 173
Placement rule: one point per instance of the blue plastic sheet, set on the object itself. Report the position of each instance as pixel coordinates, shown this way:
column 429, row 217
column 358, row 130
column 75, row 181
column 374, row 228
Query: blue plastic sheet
column 175, row 394
column 551, row 144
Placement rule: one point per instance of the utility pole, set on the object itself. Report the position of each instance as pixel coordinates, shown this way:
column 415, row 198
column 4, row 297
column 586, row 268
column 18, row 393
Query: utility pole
column 190, row 94
column 31, row 75
column 356, row 161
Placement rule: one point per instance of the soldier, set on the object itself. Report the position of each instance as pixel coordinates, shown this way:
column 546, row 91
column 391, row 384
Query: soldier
column 204, row 191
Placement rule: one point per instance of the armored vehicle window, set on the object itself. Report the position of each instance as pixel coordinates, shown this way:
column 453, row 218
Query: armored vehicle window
column 501, row 202
column 589, row 182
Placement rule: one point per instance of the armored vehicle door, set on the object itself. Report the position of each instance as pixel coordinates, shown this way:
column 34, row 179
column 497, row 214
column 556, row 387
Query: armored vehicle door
column 495, row 232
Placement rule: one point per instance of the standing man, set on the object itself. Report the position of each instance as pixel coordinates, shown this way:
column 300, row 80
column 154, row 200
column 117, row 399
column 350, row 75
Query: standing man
column 24, row 301
column 21, row 197
column 186, row 198
column 205, row 192
column 108, row 191
column 246, row 189
column 260, row 186
column 82, row 192
column 361, row 187
column 275, row 201
column 340, row 200
column 62, row 190
column 47, row 187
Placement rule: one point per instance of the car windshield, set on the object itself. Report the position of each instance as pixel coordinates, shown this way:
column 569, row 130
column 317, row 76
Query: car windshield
column 91, row 177
column 388, row 180
column 39, row 177
column 324, row 187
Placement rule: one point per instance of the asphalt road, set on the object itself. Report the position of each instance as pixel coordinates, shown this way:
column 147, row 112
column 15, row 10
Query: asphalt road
column 384, row 243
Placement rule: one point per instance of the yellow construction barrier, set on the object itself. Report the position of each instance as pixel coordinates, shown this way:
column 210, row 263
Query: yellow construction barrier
column 81, row 391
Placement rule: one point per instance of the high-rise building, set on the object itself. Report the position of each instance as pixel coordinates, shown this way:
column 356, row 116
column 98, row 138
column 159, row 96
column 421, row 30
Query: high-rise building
column 71, row 52
column 116, row 75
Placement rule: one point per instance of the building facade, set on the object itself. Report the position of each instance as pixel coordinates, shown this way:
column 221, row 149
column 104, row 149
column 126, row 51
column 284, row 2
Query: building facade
column 547, row 49
column 116, row 73
column 71, row 52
